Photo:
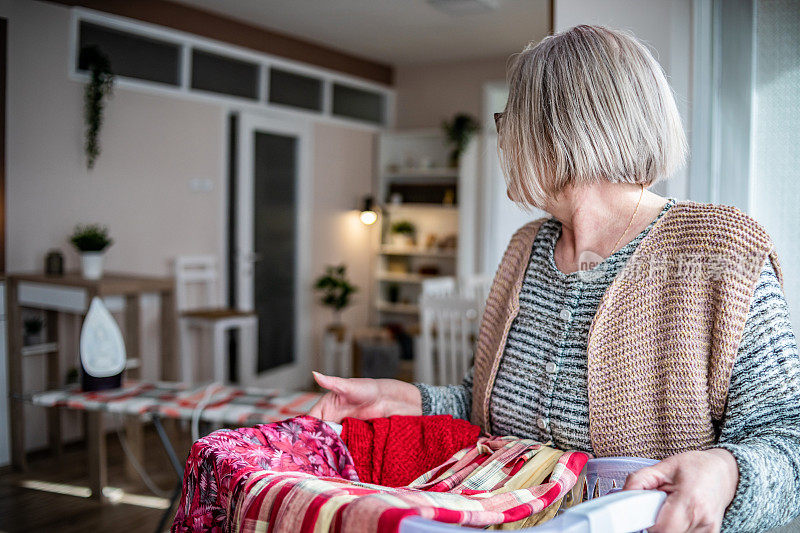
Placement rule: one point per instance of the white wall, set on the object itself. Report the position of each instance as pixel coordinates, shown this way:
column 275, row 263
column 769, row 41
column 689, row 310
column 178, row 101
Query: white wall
column 152, row 146
column 343, row 175
column 430, row 93
column 666, row 26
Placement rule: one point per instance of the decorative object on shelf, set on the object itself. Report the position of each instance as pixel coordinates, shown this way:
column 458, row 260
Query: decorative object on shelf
column 102, row 349
column 32, row 326
column 402, row 233
column 449, row 197
column 54, row 263
column 430, row 241
column 98, row 89
column 368, row 215
column 429, row 270
column 459, row 131
column 336, row 290
column 393, row 293
column 396, row 198
column 448, row 242
column 91, row 240
column 397, row 265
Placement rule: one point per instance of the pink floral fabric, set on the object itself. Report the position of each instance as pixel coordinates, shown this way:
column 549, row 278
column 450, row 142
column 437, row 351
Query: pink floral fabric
column 220, row 465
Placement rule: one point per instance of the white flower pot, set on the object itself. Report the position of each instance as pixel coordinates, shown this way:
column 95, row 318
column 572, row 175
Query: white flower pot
column 402, row 240
column 92, row 264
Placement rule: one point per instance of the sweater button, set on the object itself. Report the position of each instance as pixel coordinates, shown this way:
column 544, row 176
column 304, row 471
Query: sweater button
column 565, row 314
column 541, row 423
column 550, row 368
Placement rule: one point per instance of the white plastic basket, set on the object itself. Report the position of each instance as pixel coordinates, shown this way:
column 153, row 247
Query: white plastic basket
column 605, row 511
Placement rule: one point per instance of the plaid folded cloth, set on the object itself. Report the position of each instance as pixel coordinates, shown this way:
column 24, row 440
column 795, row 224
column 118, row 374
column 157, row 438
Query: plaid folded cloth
column 307, row 483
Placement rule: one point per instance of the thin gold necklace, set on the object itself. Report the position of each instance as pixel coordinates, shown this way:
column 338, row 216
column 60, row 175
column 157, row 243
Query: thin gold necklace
column 630, row 222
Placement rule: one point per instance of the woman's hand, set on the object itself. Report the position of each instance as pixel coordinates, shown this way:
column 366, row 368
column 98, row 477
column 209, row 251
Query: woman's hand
column 364, row 398
column 699, row 486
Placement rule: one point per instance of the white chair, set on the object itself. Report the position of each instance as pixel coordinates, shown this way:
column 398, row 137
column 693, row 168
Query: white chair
column 448, row 328
column 438, row 286
column 198, row 274
column 477, row 286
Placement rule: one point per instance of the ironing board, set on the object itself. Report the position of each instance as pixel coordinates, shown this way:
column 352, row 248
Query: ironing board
column 155, row 401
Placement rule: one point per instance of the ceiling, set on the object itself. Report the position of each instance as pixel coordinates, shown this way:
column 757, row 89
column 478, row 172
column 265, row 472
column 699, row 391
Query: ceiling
column 395, row 32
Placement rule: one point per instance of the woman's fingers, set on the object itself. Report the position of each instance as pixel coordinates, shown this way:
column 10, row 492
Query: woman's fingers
column 347, row 397
column 675, row 516
column 326, row 382
column 699, row 485
column 317, row 408
column 650, row 478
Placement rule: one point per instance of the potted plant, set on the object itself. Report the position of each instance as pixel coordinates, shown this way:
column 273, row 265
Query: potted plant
column 402, row 233
column 459, row 131
column 32, row 326
column 336, row 290
column 91, row 240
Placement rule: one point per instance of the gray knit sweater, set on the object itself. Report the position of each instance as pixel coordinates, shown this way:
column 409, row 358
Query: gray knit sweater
column 541, row 386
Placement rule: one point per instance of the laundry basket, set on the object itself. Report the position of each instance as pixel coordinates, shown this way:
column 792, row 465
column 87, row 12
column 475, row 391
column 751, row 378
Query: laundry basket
column 607, row 512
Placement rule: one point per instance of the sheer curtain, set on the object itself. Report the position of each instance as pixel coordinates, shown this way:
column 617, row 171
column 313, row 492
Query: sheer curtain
column 775, row 167
column 745, row 128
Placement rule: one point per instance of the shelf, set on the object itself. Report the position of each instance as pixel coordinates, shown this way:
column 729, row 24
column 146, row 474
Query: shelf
column 419, row 252
column 404, row 277
column 412, row 205
column 433, row 172
column 389, row 307
column 40, row 349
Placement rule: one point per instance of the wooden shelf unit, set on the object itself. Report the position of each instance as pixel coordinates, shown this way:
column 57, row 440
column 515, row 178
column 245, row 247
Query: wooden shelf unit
column 419, row 158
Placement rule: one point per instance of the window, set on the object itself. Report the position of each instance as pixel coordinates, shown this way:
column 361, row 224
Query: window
column 182, row 64
column 224, row 75
column 357, row 103
column 131, row 55
column 296, row 90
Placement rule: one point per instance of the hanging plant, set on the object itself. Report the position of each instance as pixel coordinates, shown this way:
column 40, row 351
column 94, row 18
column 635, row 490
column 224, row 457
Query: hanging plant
column 99, row 87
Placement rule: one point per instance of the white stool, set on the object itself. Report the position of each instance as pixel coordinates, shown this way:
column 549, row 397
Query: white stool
column 212, row 322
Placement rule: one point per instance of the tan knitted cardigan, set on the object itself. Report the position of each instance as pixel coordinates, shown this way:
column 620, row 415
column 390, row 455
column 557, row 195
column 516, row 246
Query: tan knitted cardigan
column 665, row 336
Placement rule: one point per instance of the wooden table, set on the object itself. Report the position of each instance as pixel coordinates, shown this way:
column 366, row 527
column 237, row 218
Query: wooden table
column 72, row 294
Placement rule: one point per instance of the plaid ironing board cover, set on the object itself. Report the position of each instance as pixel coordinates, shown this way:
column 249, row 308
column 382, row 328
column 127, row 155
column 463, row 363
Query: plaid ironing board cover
column 223, row 404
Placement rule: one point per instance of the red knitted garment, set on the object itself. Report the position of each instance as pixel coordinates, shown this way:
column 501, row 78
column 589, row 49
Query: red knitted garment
column 395, row 451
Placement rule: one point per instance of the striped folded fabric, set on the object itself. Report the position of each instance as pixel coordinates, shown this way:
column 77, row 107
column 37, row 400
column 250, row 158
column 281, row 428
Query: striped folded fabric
column 501, row 480
column 297, row 476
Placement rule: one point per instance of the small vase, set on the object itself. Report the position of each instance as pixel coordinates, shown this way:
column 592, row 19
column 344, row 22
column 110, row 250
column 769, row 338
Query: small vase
column 92, row 265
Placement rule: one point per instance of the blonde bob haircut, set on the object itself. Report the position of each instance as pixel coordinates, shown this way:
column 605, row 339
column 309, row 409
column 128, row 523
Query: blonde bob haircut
column 587, row 105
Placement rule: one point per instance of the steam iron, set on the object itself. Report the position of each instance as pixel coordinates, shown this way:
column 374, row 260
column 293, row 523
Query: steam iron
column 102, row 349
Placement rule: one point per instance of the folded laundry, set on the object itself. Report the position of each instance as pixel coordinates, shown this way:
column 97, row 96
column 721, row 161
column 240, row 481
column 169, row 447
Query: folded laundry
column 397, row 450
column 297, row 476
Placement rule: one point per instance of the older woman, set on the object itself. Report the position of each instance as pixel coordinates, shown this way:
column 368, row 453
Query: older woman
column 628, row 323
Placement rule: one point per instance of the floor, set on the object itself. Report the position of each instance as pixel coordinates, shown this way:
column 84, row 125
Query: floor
column 32, row 510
